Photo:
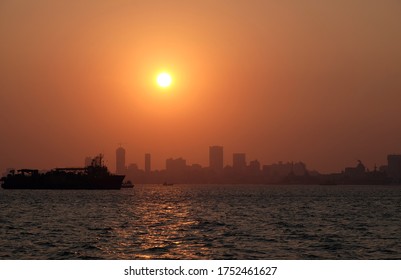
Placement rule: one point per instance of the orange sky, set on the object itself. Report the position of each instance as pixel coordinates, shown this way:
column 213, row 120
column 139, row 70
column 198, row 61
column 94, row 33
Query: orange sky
column 280, row 80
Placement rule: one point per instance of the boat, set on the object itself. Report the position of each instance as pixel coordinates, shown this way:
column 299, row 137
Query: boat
column 127, row 185
column 167, row 184
column 95, row 176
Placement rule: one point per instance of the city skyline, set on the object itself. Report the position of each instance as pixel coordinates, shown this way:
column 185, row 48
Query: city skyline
column 216, row 162
column 178, row 170
column 119, row 162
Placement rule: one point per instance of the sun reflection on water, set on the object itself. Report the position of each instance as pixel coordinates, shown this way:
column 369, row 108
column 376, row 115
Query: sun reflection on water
column 166, row 231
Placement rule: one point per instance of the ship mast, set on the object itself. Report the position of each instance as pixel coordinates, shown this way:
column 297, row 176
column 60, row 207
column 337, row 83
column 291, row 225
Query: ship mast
column 98, row 161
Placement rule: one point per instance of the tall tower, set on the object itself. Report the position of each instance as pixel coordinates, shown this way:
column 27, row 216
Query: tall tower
column 147, row 163
column 216, row 158
column 120, row 161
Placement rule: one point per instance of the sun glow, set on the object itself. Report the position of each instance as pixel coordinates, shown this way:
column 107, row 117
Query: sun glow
column 164, row 80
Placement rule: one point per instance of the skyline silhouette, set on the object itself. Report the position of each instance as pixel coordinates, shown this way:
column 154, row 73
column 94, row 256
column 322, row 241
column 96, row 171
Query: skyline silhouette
column 219, row 171
column 240, row 170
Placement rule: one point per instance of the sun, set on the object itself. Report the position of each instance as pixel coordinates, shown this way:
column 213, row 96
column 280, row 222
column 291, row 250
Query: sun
column 164, row 79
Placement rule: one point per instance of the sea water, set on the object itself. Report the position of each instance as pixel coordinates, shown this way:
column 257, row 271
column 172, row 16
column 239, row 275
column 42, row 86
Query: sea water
column 202, row 222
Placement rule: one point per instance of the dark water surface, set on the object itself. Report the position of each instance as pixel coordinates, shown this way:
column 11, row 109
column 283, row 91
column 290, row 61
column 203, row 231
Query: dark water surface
column 203, row 222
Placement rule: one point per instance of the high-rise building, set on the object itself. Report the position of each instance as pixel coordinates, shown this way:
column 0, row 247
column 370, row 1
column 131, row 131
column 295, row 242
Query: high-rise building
column 216, row 158
column 147, row 163
column 239, row 162
column 394, row 166
column 120, row 161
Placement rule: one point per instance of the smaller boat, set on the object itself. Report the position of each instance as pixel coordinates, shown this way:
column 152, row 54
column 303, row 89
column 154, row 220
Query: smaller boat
column 127, row 185
column 167, row 184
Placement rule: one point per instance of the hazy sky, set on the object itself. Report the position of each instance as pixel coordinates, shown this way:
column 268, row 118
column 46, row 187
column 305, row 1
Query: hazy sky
column 317, row 81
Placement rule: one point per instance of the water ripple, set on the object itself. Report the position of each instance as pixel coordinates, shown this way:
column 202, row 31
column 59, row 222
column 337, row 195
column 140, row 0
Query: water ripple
column 203, row 222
